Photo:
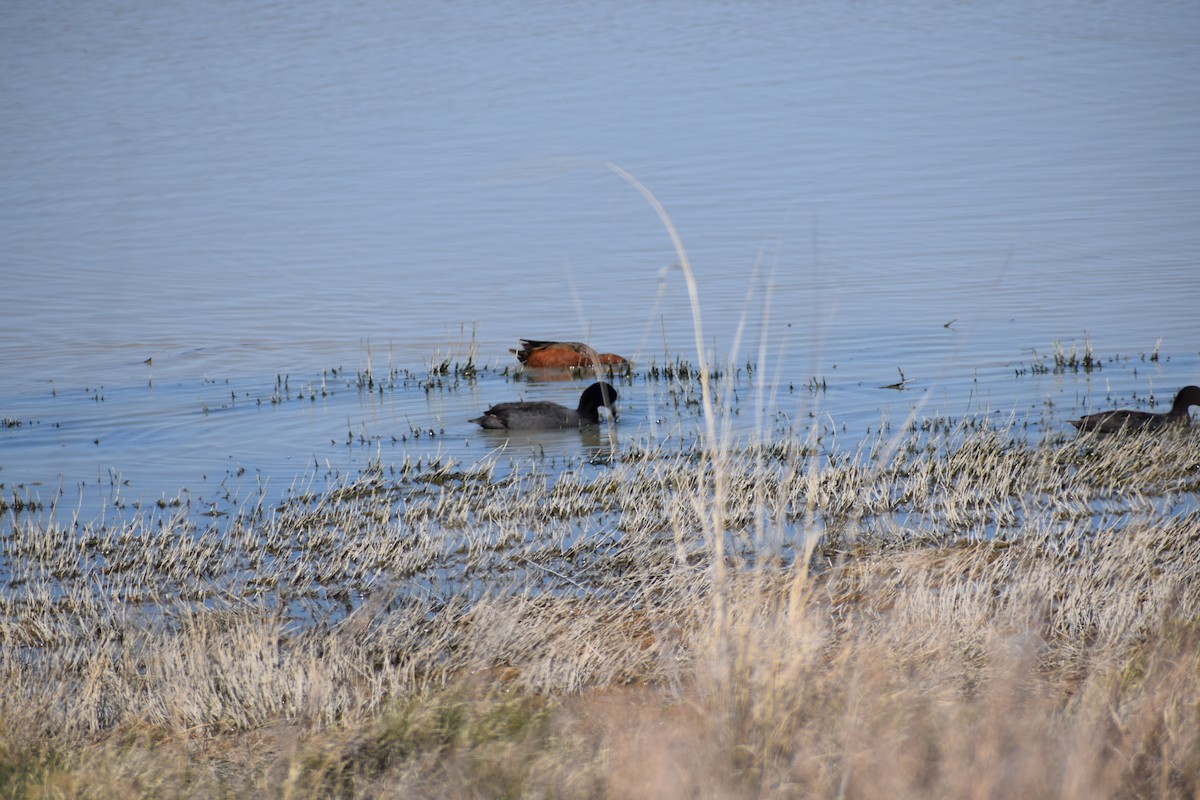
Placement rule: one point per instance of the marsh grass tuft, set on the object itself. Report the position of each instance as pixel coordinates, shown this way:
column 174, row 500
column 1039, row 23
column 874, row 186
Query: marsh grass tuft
column 1077, row 357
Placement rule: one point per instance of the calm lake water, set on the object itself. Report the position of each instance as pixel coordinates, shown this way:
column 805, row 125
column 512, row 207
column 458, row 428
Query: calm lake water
column 211, row 211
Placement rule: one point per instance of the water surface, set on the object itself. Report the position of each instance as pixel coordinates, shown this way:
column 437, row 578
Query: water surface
column 199, row 205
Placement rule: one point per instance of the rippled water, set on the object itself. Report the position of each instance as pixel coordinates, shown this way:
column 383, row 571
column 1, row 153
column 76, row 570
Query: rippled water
column 201, row 206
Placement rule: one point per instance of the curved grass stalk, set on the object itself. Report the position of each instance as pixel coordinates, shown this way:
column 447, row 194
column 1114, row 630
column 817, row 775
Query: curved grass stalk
column 714, row 517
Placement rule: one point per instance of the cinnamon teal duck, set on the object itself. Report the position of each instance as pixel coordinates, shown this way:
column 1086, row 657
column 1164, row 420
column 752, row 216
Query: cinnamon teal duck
column 537, row 354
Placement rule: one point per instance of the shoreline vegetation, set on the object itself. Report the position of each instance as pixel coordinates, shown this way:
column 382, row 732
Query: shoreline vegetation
column 949, row 610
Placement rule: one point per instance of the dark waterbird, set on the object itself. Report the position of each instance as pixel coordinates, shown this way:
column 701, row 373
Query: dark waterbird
column 556, row 355
column 547, row 416
column 1125, row 419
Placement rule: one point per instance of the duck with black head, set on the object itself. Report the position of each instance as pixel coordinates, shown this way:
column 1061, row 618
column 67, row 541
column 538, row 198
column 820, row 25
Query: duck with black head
column 544, row 415
column 1125, row 419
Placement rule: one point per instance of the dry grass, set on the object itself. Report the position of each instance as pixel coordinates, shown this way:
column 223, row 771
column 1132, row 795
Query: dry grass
column 953, row 612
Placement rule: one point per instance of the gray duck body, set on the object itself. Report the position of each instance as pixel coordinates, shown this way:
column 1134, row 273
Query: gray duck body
column 544, row 415
column 1124, row 419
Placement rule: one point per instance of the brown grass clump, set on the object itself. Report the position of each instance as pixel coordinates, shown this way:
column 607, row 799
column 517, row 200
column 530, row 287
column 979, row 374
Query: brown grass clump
column 952, row 613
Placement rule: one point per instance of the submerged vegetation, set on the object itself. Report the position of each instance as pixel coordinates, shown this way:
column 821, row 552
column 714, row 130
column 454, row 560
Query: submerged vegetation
column 948, row 610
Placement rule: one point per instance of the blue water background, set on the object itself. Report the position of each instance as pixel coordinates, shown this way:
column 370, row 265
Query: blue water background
column 205, row 203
